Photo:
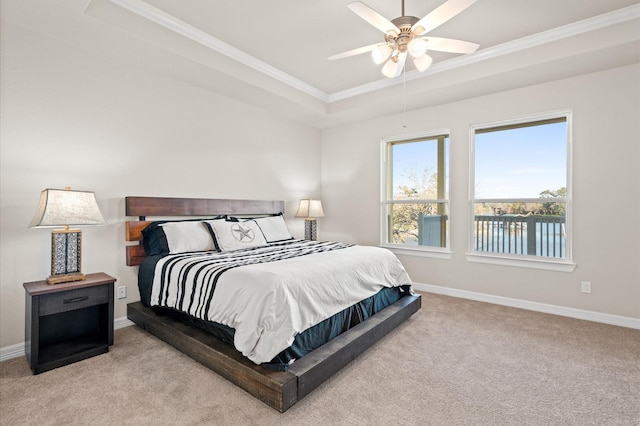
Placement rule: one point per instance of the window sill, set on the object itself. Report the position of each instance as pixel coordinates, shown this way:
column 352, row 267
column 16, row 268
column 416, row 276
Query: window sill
column 534, row 263
column 420, row 252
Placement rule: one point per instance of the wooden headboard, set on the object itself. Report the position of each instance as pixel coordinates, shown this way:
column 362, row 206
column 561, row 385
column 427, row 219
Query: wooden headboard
column 162, row 207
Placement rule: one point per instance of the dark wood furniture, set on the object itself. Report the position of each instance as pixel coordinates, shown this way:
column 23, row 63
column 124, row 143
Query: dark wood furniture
column 68, row 322
column 280, row 390
column 199, row 207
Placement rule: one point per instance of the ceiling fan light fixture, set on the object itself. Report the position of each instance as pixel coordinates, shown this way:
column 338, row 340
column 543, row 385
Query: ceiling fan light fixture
column 423, row 62
column 390, row 69
column 381, row 53
column 403, row 36
column 417, row 47
column 418, row 30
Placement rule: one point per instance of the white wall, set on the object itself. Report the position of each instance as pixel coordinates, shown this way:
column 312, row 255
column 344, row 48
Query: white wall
column 75, row 118
column 72, row 118
column 606, row 190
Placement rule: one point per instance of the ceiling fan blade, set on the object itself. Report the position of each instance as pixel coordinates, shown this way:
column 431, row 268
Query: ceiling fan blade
column 394, row 68
column 440, row 15
column 451, row 45
column 353, row 52
column 402, row 58
column 374, row 18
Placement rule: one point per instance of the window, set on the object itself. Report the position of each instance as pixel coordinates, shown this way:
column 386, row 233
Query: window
column 415, row 193
column 520, row 189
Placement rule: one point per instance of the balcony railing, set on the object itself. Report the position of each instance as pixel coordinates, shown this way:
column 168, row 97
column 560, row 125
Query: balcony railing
column 537, row 235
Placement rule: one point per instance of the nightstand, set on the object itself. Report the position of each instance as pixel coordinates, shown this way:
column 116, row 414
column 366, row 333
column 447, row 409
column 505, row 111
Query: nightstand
column 68, row 322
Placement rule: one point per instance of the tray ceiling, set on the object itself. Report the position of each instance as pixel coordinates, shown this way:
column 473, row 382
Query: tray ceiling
column 274, row 54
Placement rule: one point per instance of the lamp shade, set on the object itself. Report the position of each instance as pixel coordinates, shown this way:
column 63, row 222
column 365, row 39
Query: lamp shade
column 310, row 208
column 381, row 53
column 423, row 62
column 390, row 69
column 65, row 207
column 417, row 47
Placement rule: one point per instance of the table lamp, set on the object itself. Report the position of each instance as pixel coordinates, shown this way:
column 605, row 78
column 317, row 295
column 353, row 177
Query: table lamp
column 310, row 209
column 64, row 207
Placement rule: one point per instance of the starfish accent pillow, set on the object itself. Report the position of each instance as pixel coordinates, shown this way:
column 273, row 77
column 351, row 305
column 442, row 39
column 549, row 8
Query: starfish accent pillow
column 236, row 235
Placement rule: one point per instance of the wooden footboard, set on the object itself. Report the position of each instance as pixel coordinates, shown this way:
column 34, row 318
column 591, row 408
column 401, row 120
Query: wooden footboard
column 280, row 390
column 277, row 389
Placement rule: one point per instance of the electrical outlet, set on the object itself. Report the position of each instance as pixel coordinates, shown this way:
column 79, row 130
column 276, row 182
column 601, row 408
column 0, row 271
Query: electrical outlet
column 122, row 292
column 585, row 286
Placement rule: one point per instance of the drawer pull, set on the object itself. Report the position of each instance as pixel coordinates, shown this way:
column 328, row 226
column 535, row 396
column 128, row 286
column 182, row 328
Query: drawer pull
column 76, row 299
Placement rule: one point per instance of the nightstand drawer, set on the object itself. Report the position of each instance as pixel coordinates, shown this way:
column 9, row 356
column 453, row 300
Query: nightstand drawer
column 73, row 299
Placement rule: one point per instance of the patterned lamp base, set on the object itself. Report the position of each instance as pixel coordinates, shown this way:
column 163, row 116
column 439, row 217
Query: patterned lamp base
column 310, row 229
column 66, row 249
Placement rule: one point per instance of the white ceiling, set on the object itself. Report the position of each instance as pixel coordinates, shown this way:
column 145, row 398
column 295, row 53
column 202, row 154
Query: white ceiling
column 274, row 53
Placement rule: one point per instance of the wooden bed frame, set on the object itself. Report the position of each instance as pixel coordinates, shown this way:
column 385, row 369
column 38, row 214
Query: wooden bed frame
column 278, row 389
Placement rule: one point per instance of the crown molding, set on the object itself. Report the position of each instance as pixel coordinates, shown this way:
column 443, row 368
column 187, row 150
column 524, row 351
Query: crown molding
column 170, row 22
column 174, row 24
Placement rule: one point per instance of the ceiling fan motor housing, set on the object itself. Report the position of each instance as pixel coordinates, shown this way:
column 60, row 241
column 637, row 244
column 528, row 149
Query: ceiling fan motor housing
column 400, row 41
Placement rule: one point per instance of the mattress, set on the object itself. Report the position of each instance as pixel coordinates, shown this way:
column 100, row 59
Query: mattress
column 276, row 303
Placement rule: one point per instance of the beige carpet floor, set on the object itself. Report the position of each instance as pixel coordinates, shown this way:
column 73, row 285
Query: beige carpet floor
column 455, row 362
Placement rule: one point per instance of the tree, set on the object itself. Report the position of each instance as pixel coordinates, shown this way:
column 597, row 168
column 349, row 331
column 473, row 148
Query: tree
column 553, row 208
column 422, row 186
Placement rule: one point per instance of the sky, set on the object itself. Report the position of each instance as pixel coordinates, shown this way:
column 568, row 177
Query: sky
column 408, row 157
column 522, row 162
column 514, row 163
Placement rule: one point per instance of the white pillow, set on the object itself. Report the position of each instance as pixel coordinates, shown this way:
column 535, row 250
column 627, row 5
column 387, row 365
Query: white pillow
column 236, row 235
column 274, row 228
column 183, row 237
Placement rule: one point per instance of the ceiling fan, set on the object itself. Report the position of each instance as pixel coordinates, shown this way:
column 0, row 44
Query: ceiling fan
column 405, row 36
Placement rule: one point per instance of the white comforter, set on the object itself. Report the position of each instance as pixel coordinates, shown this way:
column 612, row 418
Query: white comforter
column 268, row 304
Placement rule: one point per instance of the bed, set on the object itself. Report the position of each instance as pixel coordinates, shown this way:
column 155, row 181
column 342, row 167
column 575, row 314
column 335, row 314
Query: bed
column 308, row 348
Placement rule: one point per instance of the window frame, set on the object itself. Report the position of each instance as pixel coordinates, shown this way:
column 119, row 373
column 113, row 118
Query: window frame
column 385, row 201
column 527, row 261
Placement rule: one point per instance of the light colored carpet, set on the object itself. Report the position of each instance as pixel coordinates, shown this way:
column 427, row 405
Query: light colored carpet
column 455, row 362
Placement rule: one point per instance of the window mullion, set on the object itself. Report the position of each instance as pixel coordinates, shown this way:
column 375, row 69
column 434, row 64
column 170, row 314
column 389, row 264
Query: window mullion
column 416, row 201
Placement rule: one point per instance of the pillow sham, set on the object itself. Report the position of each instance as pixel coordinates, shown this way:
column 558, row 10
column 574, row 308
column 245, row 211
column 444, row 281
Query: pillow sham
column 233, row 235
column 274, row 228
column 154, row 239
column 183, row 237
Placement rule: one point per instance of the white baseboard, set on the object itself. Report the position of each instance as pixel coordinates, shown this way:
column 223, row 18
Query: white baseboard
column 18, row 350
column 13, row 351
column 122, row 323
column 564, row 311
